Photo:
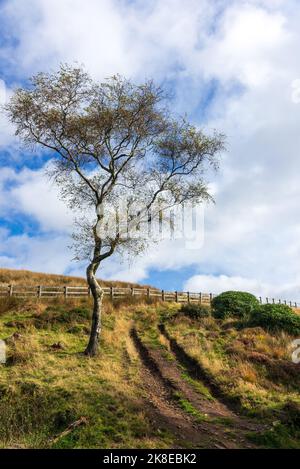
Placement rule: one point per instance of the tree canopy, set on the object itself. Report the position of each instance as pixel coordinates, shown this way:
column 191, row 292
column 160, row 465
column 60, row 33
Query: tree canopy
column 112, row 141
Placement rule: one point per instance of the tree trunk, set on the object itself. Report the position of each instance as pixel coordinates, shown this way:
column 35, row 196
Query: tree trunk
column 97, row 294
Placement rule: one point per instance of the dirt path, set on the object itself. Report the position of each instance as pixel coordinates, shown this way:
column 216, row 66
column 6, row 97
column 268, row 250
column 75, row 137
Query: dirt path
column 206, row 423
column 220, row 406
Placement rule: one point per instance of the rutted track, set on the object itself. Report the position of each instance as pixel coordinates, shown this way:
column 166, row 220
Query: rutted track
column 160, row 406
column 222, row 403
column 162, row 381
column 196, row 371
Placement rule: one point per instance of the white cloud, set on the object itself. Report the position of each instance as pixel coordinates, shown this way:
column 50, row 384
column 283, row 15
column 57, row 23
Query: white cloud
column 244, row 46
column 220, row 283
column 43, row 253
column 2, row 92
column 133, row 38
column 6, row 129
column 29, row 192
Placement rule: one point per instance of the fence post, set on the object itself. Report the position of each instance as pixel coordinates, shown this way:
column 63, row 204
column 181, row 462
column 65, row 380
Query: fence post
column 147, row 292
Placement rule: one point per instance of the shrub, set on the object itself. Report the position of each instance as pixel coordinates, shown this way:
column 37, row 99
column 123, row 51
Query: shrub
column 276, row 317
column 291, row 412
column 10, row 303
column 54, row 315
column 195, row 311
column 79, row 313
column 129, row 300
column 22, row 349
column 233, row 304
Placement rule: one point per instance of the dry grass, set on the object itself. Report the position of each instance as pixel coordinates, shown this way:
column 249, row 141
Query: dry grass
column 249, row 365
column 164, row 342
column 43, row 389
column 29, row 278
column 247, row 371
column 23, row 349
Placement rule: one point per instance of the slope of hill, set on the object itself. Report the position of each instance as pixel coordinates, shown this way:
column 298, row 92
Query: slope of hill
column 27, row 277
column 161, row 380
column 53, row 396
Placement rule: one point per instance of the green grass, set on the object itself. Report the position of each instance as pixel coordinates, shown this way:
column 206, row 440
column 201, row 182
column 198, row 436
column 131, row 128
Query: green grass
column 200, row 417
column 278, row 437
column 43, row 391
column 198, row 386
column 251, row 367
column 188, row 407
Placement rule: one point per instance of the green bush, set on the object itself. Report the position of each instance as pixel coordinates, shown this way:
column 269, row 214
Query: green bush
column 54, row 315
column 195, row 311
column 79, row 313
column 233, row 304
column 276, row 317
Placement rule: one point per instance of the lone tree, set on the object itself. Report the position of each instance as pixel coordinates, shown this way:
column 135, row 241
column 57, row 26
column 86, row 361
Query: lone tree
column 112, row 141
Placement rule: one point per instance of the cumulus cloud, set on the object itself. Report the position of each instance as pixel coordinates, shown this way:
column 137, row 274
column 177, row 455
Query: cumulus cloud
column 43, row 253
column 220, row 283
column 134, row 38
column 29, row 192
column 244, row 47
column 6, row 129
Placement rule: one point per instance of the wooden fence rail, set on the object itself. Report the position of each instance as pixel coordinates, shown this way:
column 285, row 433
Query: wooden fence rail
column 67, row 291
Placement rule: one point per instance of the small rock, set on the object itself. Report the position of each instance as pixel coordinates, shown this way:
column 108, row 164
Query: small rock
column 57, row 346
column 16, row 336
column 13, row 337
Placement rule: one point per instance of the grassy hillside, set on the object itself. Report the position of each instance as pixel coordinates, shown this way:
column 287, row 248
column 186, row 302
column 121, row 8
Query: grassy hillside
column 161, row 380
column 27, row 277
column 47, row 385
column 251, row 368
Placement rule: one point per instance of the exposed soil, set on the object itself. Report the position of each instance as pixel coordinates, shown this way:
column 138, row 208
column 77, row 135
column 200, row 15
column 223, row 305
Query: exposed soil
column 196, row 371
column 213, row 425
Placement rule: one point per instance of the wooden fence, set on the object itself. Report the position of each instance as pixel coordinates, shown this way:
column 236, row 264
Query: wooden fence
column 44, row 291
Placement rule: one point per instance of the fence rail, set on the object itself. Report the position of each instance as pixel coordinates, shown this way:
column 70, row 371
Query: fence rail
column 69, row 291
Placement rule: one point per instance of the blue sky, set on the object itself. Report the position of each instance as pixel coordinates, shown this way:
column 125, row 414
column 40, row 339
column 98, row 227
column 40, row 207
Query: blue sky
column 230, row 65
